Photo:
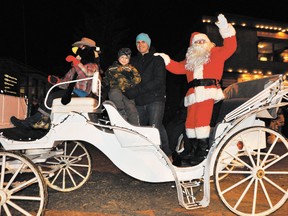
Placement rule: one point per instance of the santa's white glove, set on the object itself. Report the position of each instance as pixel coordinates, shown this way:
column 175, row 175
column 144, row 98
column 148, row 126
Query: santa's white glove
column 165, row 57
column 222, row 22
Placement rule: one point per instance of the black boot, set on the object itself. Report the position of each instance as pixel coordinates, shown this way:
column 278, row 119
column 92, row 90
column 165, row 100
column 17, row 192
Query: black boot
column 182, row 159
column 189, row 149
column 201, row 152
column 177, row 160
column 26, row 123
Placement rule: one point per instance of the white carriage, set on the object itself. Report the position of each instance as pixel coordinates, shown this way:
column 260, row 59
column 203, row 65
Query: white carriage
column 246, row 169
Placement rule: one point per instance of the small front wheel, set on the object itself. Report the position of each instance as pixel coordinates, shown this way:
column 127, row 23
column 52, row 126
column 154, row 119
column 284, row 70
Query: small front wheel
column 70, row 169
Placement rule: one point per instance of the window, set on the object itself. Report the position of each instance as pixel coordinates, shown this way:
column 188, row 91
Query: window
column 275, row 51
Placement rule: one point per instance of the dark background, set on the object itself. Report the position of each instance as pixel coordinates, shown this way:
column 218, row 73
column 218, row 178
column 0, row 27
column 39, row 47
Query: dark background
column 39, row 33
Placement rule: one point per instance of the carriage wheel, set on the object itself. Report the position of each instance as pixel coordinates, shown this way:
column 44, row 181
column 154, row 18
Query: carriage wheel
column 257, row 184
column 71, row 168
column 22, row 187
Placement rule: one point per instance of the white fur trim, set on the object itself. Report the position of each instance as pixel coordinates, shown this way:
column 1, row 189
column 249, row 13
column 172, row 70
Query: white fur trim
column 198, row 72
column 201, row 94
column 200, row 36
column 227, row 32
column 202, row 132
column 190, row 133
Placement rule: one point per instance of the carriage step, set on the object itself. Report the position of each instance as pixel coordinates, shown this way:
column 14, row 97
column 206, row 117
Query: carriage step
column 187, row 194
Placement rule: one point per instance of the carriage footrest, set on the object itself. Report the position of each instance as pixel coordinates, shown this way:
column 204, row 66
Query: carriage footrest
column 188, row 192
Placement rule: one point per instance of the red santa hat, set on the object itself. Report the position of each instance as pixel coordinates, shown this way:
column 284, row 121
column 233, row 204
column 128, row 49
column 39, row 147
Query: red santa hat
column 195, row 36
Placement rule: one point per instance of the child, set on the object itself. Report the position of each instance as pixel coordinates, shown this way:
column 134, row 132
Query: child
column 120, row 76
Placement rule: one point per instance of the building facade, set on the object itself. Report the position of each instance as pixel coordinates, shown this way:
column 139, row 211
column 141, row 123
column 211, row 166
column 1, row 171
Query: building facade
column 20, row 87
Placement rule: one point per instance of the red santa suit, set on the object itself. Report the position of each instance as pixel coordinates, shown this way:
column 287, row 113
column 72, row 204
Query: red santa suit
column 199, row 100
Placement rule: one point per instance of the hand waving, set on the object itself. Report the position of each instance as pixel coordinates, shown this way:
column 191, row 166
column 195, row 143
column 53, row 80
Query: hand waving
column 222, row 22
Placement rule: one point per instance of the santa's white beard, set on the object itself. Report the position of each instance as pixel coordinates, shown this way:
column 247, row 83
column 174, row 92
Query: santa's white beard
column 197, row 55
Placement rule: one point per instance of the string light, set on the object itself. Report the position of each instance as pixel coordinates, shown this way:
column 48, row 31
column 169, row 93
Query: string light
column 257, row 26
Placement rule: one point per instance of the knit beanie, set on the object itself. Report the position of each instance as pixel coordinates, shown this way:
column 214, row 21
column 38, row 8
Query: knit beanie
column 143, row 37
column 124, row 51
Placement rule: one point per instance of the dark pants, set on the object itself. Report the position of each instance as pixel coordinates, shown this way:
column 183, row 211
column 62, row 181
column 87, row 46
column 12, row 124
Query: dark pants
column 152, row 115
column 124, row 106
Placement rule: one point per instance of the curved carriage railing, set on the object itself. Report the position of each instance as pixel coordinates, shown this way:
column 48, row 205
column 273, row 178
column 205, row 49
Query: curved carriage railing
column 265, row 104
column 96, row 88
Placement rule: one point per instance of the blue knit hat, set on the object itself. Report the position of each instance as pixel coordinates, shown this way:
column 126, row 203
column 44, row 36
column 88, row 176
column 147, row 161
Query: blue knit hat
column 143, row 37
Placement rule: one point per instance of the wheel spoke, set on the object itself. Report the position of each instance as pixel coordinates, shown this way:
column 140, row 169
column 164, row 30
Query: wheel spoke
column 32, row 198
column 276, row 185
column 23, row 185
column 3, row 167
column 56, row 176
column 14, row 176
column 275, row 161
column 71, row 177
column 236, row 185
column 63, row 178
column 73, row 150
column 266, row 193
column 237, row 158
column 243, row 194
column 75, row 171
column 18, row 208
column 6, row 209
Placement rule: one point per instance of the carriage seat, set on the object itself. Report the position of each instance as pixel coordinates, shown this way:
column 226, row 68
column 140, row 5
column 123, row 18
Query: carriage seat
column 78, row 104
column 238, row 93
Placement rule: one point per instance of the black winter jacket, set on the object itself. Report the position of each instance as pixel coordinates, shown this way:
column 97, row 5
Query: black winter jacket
column 152, row 87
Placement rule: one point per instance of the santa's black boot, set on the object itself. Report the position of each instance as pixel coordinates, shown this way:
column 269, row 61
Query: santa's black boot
column 201, row 152
column 191, row 146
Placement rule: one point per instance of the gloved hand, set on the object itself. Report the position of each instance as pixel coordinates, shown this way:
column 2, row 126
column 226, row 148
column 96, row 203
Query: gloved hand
column 72, row 59
column 53, row 79
column 222, row 22
column 165, row 57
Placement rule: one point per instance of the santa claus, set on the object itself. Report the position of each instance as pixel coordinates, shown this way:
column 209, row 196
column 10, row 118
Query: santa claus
column 203, row 67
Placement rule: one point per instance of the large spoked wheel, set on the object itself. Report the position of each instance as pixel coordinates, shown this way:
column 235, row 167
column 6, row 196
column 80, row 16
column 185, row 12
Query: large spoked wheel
column 257, row 184
column 22, row 187
column 70, row 169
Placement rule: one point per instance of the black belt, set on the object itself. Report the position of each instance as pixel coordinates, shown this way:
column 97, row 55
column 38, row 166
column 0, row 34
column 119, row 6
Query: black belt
column 202, row 82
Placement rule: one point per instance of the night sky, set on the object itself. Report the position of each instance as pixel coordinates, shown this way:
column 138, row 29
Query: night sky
column 39, row 33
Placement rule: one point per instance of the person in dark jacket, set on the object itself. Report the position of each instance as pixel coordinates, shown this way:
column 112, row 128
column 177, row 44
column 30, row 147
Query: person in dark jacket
column 150, row 93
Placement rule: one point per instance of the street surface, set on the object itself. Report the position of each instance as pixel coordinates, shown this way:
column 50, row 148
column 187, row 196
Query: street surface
column 110, row 192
